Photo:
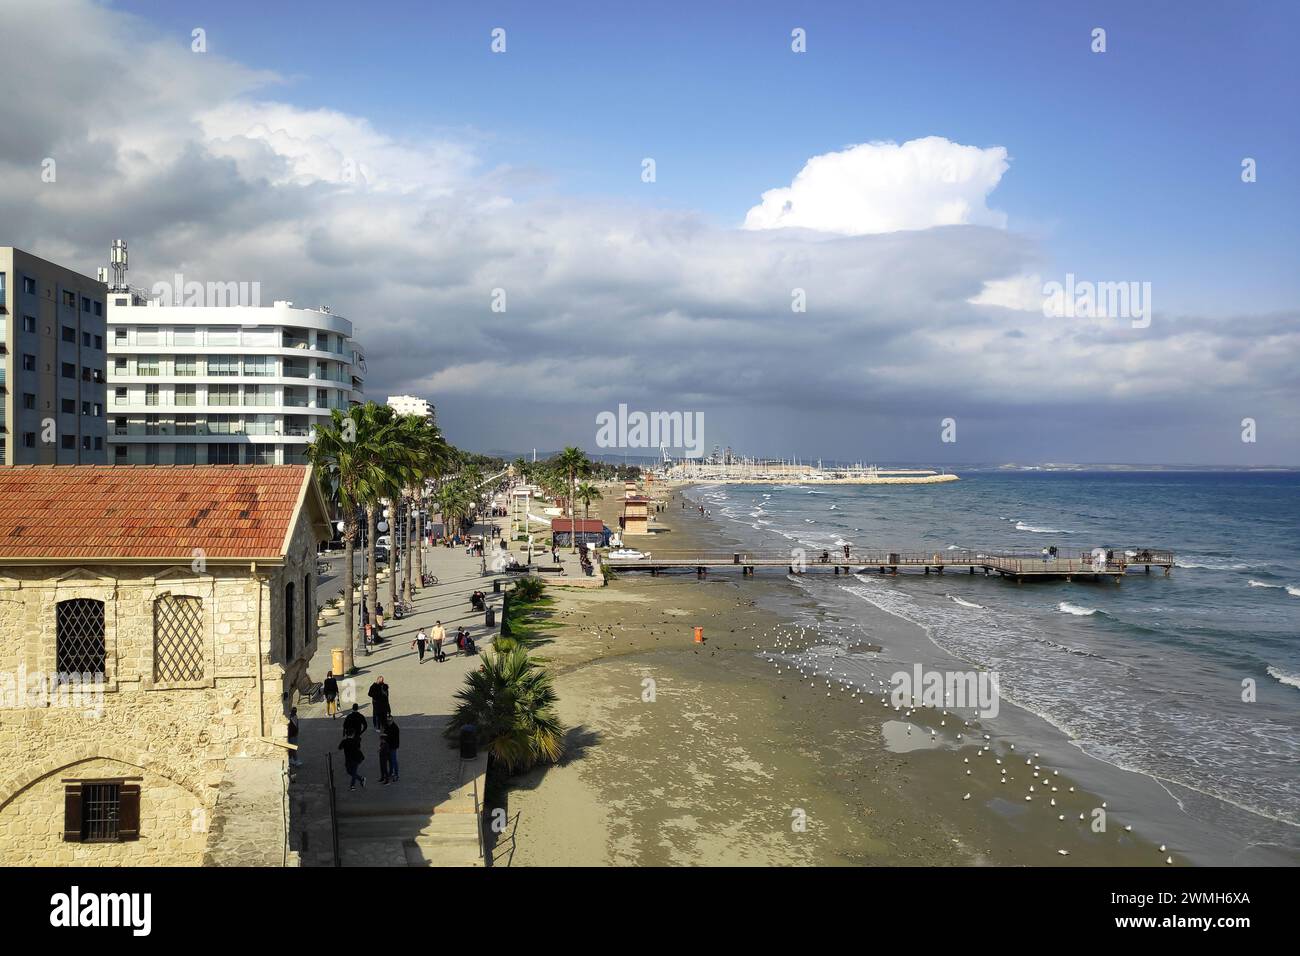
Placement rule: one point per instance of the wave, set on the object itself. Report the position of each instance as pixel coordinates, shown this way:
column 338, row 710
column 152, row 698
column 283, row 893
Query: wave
column 1066, row 607
column 1282, row 677
column 970, row 604
column 1263, row 584
column 1021, row 526
column 1215, row 566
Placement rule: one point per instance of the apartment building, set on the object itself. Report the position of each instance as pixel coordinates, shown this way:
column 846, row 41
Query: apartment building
column 410, row 405
column 230, row 384
column 52, row 363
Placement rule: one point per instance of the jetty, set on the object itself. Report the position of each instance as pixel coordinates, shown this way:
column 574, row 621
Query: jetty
column 1020, row 566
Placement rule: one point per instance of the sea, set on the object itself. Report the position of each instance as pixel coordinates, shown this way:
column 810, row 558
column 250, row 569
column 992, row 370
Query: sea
column 1178, row 695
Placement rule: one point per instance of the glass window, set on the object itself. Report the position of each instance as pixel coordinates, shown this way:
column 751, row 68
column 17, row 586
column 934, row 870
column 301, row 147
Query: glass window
column 29, row 323
column 187, row 394
column 223, row 394
column 223, row 365
column 69, row 370
column 186, row 365
column 69, row 334
column 147, row 365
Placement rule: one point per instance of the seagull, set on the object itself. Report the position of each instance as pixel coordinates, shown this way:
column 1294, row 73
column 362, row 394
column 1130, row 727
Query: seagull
column 1063, row 852
column 967, row 797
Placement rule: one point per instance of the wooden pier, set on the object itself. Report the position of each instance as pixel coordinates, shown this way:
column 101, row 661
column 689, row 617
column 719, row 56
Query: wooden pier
column 1017, row 565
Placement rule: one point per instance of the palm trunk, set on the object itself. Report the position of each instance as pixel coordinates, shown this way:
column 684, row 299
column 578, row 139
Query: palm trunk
column 349, row 562
column 573, row 514
column 373, row 581
column 410, row 553
column 419, row 543
column 392, row 558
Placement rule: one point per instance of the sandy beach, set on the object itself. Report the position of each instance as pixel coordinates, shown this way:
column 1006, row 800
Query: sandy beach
column 704, row 755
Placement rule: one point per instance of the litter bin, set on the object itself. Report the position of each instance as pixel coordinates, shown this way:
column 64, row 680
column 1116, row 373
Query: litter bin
column 490, row 617
column 496, row 585
column 468, row 742
column 336, row 661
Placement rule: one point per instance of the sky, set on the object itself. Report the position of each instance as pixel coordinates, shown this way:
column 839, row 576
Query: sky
column 843, row 252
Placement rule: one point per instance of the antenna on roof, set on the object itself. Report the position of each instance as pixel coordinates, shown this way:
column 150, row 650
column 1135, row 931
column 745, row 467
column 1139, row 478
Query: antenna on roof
column 117, row 260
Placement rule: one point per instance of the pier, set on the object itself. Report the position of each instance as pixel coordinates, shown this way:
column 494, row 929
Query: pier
column 1019, row 566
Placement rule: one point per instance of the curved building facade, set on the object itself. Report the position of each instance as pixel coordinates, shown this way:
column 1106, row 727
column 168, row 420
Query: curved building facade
column 225, row 384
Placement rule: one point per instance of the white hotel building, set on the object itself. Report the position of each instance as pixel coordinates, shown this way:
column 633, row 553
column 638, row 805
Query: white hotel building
column 223, row 385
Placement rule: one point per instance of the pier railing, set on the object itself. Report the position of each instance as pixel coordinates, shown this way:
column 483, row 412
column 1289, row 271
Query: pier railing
column 1015, row 561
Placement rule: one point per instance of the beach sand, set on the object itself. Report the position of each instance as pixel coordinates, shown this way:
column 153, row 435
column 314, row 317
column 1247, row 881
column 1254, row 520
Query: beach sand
column 703, row 755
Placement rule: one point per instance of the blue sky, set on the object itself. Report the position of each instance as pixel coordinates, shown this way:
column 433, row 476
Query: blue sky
column 920, row 173
column 1127, row 163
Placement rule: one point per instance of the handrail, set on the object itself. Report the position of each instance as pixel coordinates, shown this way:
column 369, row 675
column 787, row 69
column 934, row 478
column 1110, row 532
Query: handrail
column 963, row 556
column 334, row 810
column 478, row 825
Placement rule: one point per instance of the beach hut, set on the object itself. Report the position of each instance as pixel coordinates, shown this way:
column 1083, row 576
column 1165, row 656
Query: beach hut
column 591, row 532
column 636, row 515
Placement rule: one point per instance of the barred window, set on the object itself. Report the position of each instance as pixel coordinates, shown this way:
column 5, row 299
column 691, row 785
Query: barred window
column 101, row 811
column 79, row 637
column 177, row 638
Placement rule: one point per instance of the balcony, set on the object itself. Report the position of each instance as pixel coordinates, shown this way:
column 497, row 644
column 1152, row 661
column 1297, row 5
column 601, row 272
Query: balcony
column 296, row 370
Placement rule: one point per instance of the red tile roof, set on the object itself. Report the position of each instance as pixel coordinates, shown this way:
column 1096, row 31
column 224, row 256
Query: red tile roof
column 148, row 511
column 593, row 525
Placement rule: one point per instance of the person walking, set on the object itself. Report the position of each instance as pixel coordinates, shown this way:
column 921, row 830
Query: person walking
column 330, row 688
column 292, row 737
column 421, row 639
column 352, row 758
column 439, row 635
column 383, row 753
column 394, row 738
column 354, row 724
column 379, row 707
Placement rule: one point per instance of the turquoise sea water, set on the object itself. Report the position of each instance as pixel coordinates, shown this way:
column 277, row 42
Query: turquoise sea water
column 1147, row 675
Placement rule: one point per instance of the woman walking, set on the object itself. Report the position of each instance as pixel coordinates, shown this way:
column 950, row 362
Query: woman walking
column 330, row 688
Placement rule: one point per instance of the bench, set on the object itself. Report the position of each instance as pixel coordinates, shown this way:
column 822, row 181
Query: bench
column 549, row 568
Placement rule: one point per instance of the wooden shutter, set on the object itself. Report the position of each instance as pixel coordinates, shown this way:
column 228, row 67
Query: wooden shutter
column 128, row 812
column 72, row 812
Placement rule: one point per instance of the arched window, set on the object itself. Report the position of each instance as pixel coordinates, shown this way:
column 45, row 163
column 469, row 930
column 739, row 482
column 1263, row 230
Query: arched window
column 177, row 638
column 288, row 622
column 79, row 637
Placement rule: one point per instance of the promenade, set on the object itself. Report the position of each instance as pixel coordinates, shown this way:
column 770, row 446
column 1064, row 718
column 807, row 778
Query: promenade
column 428, row 817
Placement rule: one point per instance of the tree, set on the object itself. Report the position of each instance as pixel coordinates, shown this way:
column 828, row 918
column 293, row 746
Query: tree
column 511, row 701
column 587, row 493
column 573, row 462
column 347, row 455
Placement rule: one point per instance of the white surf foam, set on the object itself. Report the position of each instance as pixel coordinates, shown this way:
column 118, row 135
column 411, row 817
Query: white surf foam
column 1066, row 607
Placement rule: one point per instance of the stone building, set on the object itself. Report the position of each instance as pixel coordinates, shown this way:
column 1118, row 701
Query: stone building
column 152, row 618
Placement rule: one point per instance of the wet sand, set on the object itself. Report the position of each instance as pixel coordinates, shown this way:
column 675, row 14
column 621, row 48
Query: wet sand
column 705, row 755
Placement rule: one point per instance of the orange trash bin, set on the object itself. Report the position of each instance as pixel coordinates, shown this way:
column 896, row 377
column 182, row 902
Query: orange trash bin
column 699, row 635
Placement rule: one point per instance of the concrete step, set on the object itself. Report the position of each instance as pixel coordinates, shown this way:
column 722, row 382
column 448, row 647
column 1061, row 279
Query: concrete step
column 409, row 826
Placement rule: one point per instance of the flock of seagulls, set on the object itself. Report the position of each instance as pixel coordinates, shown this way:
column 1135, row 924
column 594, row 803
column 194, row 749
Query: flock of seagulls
column 809, row 652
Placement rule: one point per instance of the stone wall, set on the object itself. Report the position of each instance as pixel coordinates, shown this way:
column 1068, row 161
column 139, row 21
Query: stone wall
column 182, row 739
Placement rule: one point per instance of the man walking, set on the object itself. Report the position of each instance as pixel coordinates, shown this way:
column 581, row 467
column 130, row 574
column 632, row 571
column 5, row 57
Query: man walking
column 439, row 635
column 352, row 757
column 394, row 738
column 383, row 754
column 354, row 724
column 379, row 707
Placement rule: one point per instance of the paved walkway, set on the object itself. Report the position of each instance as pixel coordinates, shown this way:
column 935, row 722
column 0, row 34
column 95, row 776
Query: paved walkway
column 428, row 817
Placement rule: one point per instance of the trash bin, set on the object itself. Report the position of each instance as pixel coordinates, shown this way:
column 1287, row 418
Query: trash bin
column 490, row 617
column 336, row 661
column 496, row 585
column 468, row 742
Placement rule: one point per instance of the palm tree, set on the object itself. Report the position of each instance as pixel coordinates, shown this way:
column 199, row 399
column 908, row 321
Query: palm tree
column 389, row 469
column 347, row 456
column 587, row 493
column 511, row 701
column 428, row 448
column 573, row 462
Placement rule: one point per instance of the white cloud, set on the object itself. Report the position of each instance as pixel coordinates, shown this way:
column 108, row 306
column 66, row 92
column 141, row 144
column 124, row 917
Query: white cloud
column 607, row 302
column 1023, row 293
column 885, row 187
